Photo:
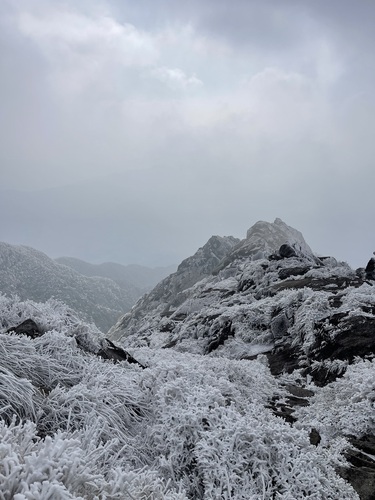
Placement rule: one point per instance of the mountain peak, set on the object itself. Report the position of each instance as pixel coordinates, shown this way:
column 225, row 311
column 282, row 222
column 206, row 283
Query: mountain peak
column 267, row 237
column 209, row 255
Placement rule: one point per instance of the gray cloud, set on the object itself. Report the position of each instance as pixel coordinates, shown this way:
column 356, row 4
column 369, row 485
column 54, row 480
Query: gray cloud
column 141, row 128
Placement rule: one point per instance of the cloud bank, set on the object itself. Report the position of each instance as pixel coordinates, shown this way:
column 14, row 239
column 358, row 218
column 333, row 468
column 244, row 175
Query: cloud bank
column 177, row 120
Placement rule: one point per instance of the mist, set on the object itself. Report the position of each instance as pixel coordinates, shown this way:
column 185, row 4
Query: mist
column 132, row 132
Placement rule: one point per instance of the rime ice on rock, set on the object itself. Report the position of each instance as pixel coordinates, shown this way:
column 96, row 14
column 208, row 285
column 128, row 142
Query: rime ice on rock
column 217, row 257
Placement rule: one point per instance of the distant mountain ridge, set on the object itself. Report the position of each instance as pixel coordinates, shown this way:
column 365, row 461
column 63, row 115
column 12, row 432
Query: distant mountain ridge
column 31, row 274
column 142, row 278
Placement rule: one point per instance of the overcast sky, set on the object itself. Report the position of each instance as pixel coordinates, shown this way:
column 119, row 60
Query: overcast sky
column 139, row 128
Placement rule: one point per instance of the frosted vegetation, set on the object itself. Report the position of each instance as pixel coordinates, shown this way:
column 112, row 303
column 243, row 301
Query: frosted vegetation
column 186, row 427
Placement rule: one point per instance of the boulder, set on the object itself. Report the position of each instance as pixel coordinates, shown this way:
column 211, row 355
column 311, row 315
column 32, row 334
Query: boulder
column 370, row 269
column 111, row 351
column 361, row 473
column 314, row 437
column 28, row 328
column 286, row 251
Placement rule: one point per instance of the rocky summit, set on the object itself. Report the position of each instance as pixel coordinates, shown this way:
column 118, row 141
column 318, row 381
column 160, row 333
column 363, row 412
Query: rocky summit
column 269, row 294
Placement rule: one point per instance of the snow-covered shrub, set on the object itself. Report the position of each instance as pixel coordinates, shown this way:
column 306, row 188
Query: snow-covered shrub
column 212, row 432
column 187, row 426
column 34, row 469
column 260, row 456
column 106, row 393
column 45, row 361
column 66, row 467
column 50, row 315
column 346, row 406
column 16, row 396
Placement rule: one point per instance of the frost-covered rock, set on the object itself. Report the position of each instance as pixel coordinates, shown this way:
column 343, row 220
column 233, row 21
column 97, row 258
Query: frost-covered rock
column 170, row 292
column 262, row 240
column 266, row 238
column 302, row 311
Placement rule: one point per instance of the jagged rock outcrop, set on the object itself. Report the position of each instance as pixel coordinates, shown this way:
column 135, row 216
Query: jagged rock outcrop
column 170, row 293
column 115, row 353
column 290, row 305
column 262, row 239
column 266, row 238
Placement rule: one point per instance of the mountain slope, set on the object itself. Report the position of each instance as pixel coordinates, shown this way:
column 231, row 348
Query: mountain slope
column 32, row 275
column 169, row 293
column 311, row 320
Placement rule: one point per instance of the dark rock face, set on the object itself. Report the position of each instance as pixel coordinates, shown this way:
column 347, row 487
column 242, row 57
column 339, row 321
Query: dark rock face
column 356, row 337
column 110, row 351
column 286, row 251
column 370, row 269
column 283, row 359
column 293, row 271
column 316, row 284
column 219, row 337
column 362, row 473
column 338, row 337
column 27, row 327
